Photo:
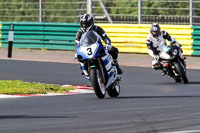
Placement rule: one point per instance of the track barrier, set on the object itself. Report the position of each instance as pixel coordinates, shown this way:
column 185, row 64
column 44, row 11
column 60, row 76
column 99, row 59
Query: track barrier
column 126, row 37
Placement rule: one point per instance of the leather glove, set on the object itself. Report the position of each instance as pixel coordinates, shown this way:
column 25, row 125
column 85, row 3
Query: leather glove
column 176, row 43
column 108, row 47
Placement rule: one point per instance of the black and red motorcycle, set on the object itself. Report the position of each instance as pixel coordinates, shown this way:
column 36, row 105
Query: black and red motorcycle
column 170, row 63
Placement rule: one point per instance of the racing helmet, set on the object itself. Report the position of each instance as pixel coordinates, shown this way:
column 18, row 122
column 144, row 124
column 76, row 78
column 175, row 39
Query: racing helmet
column 155, row 30
column 86, row 21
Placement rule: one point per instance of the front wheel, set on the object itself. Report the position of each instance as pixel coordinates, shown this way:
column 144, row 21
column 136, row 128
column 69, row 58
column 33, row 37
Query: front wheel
column 181, row 72
column 97, row 83
column 185, row 79
column 177, row 80
column 114, row 91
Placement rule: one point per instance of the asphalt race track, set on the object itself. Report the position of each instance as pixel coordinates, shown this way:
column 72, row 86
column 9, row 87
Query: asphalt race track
column 148, row 102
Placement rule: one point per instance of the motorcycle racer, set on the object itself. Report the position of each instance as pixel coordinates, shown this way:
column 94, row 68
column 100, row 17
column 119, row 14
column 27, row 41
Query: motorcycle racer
column 87, row 24
column 156, row 40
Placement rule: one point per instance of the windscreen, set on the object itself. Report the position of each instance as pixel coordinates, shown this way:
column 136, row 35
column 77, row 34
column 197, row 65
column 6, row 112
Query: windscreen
column 88, row 38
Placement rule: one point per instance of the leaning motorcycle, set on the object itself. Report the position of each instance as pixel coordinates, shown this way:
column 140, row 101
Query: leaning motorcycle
column 170, row 63
column 98, row 65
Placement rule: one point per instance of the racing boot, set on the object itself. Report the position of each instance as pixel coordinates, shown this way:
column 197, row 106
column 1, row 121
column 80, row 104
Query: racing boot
column 120, row 71
column 163, row 73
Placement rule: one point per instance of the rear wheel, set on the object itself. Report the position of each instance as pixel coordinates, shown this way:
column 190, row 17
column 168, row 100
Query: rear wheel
column 97, row 83
column 181, row 72
column 114, row 91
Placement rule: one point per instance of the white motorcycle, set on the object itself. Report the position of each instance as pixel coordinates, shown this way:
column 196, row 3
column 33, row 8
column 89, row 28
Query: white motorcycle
column 98, row 65
column 170, row 63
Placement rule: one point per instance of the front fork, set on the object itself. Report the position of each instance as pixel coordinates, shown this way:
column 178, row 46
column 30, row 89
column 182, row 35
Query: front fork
column 84, row 69
column 101, row 71
column 87, row 74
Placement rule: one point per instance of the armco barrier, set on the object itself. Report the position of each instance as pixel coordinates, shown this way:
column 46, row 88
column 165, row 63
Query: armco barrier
column 132, row 37
column 196, row 37
column 41, row 35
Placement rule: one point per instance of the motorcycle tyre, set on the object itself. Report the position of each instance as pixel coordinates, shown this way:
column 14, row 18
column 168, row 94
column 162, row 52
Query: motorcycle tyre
column 177, row 80
column 94, row 76
column 180, row 70
column 114, row 91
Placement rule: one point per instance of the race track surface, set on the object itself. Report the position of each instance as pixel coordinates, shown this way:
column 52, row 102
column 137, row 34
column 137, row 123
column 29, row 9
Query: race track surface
column 148, row 102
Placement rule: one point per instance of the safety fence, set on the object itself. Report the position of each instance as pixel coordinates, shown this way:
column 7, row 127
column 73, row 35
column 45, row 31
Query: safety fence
column 176, row 12
column 40, row 35
column 126, row 37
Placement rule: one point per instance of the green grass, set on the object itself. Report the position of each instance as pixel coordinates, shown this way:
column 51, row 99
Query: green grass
column 20, row 87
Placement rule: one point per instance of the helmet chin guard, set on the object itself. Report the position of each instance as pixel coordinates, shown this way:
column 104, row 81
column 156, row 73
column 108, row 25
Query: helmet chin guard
column 86, row 22
column 155, row 30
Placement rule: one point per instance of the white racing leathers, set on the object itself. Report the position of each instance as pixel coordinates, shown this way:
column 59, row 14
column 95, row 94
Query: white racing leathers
column 155, row 45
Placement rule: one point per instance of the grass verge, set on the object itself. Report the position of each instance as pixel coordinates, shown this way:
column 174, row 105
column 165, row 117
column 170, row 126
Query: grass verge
column 20, row 87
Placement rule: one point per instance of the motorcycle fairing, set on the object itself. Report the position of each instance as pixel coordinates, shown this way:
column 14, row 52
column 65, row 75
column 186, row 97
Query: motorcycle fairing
column 91, row 51
column 111, row 70
column 87, row 52
column 107, row 60
column 112, row 76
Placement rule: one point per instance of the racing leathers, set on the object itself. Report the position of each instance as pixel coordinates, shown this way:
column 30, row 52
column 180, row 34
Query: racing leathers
column 155, row 44
column 112, row 50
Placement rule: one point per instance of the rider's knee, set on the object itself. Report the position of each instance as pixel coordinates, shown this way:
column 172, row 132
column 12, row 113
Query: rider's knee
column 114, row 52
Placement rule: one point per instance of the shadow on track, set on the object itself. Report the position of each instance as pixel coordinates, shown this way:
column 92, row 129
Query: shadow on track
column 31, row 117
column 194, row 82
column 174, row 83
column 147, row 97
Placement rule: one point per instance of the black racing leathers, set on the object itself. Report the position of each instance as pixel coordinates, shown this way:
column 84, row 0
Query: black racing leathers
column 105, row 38
column 97, row 29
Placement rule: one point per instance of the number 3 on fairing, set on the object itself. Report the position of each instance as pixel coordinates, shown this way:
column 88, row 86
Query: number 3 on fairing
column 89, row 51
